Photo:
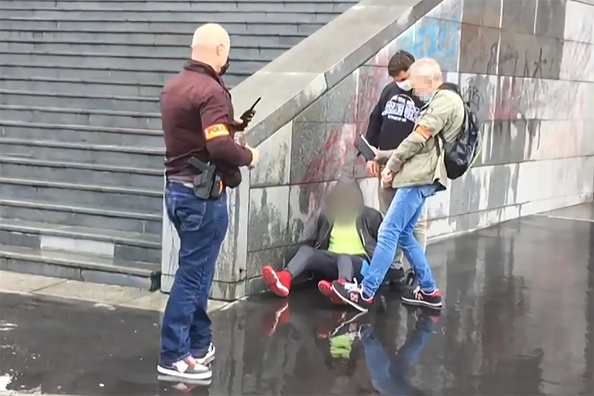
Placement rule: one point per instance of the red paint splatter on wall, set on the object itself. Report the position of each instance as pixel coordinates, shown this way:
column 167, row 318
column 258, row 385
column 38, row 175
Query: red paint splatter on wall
column 336, row 156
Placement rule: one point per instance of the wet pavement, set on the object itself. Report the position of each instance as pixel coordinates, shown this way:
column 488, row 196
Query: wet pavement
column 518, row 320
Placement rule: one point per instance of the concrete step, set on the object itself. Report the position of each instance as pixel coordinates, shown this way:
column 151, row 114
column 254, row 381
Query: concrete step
column 265, row 26
column 119, row 245
column 79, row 267
column 32, row 71
column 140, row 157
column 147, row 62
column 83, row 99
column 188, row 6
column 81, row 116
column 96, row 87
column 24, row 70
column 96, row 195
column 174, row 50
column 80, row 172
column 138, row 37
column 198, row 17
column 82, row 134
column 84, row 216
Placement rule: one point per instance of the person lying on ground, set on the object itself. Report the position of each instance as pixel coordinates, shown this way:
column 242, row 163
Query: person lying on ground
column 339, row 245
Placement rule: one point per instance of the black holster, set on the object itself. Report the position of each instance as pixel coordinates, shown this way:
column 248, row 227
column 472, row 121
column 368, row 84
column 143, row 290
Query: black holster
column 207, row 184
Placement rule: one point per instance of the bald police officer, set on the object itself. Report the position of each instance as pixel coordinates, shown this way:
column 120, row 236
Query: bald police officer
column 201, row 160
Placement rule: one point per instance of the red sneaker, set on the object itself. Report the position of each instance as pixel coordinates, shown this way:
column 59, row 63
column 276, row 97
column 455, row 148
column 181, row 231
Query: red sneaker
column 278, row 282
column 325, row 288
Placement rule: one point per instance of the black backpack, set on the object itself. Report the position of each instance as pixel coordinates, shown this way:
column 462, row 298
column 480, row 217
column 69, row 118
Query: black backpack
column 461, row 152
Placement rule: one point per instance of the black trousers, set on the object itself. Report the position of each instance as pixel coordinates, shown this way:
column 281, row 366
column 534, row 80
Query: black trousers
column 324, row 264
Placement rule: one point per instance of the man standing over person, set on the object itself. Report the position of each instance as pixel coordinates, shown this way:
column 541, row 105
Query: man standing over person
column 201, row 160
column 417, row 169
column 391, row 121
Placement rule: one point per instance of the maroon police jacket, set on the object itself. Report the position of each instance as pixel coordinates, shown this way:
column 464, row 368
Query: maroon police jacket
column 197, row 119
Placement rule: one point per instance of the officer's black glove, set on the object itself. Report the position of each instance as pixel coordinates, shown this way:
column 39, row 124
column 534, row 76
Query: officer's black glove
column 246, row 118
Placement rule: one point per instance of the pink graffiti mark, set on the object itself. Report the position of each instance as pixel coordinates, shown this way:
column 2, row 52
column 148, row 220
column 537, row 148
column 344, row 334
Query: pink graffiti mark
column 332, row 160
column 508, row 102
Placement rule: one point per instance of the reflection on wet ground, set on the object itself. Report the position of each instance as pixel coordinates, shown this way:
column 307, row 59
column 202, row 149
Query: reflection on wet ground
column 518, row 320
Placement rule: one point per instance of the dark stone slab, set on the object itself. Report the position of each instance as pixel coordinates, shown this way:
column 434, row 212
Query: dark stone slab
column 492, row 281
column 480, row 91
column 505, row 142
column 478, row 49
column 550, row 18
column 276, row 257
column 342, row 101
column 268, row 216
column 372, row 80
column 16, row 238
column 518, row 16
column 524, row 55
column 482, row 12
column 465, row 195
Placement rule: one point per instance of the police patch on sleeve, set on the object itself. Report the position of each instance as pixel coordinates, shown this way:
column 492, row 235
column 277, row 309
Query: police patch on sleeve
column 215, row 131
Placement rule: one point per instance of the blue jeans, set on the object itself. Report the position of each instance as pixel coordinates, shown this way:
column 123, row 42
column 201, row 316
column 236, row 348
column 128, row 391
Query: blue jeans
column 397, row 229
column 201, row 226
column 390, row 376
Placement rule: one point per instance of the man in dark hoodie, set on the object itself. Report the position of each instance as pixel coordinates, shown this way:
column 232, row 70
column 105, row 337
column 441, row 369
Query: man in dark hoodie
column 417, row 170
column 339, row 246
column 390, row 122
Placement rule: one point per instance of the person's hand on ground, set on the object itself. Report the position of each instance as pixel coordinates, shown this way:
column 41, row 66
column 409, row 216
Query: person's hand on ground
column 372, row 168
column 387, row 176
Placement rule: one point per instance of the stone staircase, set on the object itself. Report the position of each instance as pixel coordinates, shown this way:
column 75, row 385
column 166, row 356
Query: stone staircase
column 81, row 156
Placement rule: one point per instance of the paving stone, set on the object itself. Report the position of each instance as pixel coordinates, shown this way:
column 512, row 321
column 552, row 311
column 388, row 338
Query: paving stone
column 25, row 283
column 106, row 294
column 155, row 301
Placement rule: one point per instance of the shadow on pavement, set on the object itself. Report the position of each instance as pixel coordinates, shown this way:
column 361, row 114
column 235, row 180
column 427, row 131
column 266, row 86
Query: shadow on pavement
column 517, row 321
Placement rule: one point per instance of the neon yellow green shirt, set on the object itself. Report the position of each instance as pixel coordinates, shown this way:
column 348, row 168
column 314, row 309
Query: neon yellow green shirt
column 344, row 239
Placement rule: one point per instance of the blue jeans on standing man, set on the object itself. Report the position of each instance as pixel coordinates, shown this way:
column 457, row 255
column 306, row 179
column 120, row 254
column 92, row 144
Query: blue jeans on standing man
column 397, row 229
column 201, row 226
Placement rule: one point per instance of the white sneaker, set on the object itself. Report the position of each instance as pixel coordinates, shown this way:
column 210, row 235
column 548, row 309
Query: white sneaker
column 208, row 358
column 188, row 368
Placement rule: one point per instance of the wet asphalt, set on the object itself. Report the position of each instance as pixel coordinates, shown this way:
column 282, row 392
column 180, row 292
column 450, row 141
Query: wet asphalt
column 518, row 320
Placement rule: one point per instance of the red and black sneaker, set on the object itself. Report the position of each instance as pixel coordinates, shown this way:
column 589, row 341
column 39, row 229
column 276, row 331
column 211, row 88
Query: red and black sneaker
column 325, row 288
column 278, row 282
column 418, row 297
column 352, row 294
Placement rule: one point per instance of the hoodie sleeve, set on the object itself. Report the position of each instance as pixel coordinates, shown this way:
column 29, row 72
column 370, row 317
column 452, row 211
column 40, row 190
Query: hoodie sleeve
column 375, row 119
